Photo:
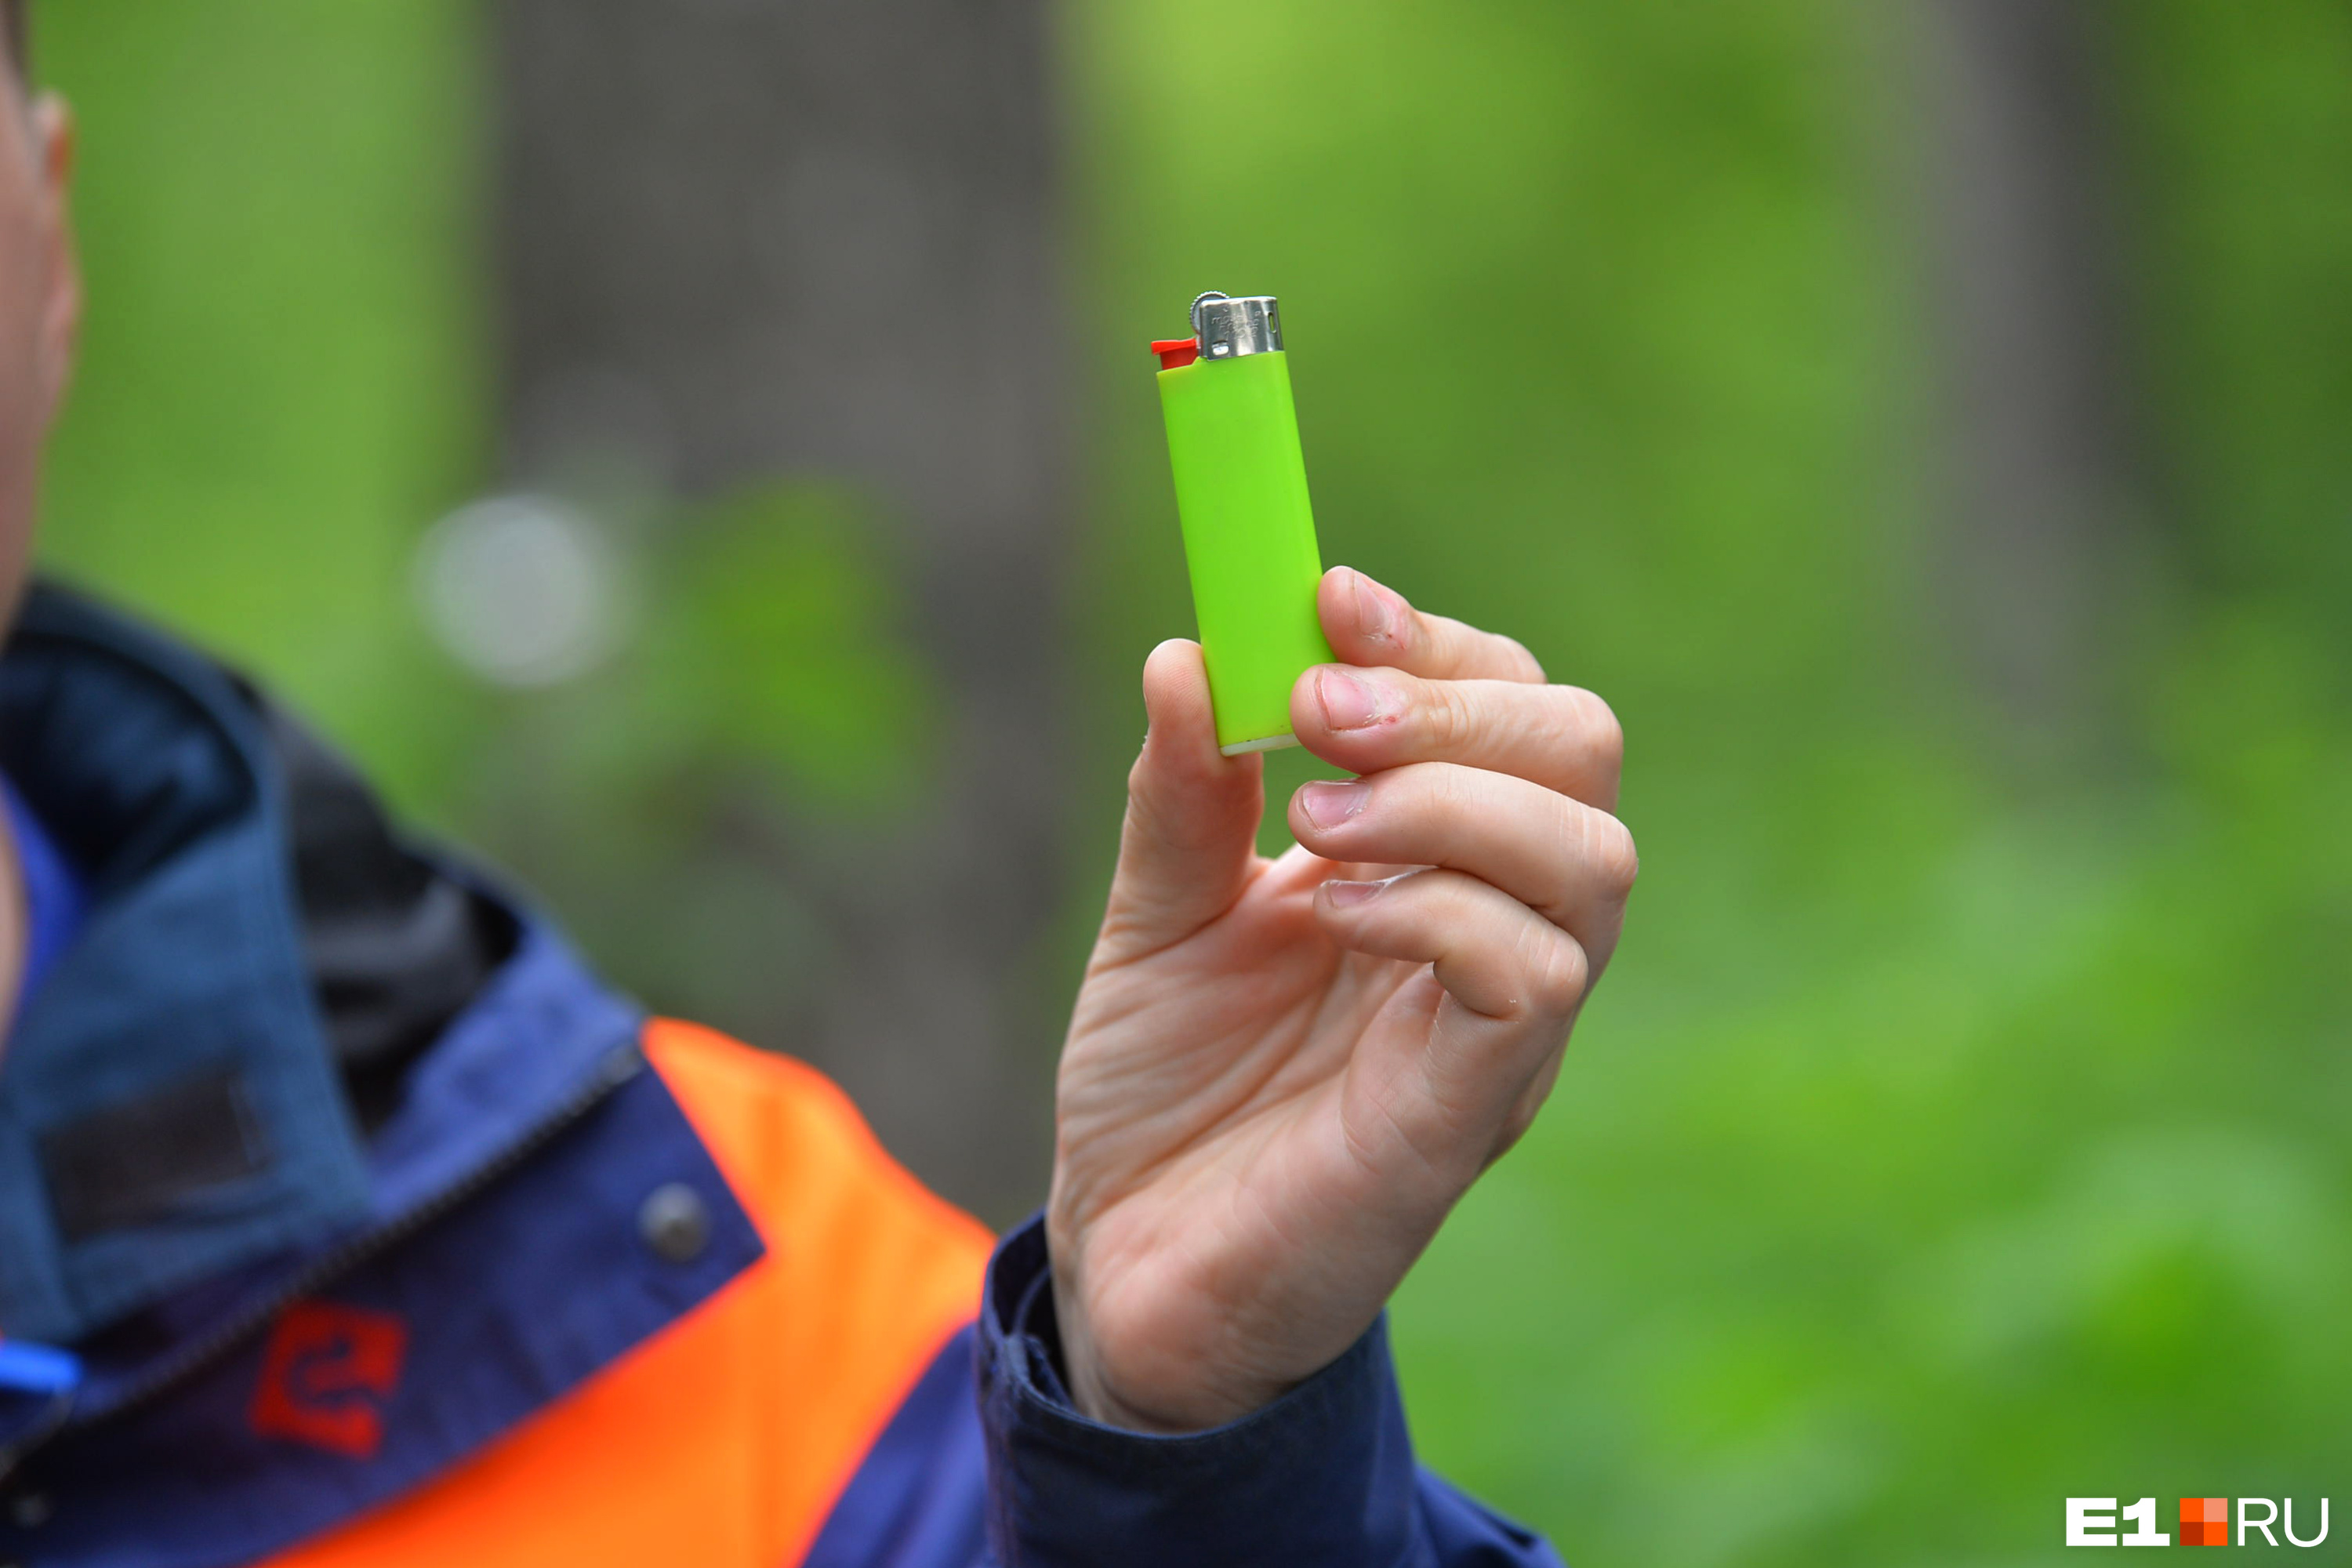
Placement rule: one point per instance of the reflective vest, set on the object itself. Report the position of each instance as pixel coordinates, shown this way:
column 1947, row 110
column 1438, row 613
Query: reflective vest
column 726, row 1439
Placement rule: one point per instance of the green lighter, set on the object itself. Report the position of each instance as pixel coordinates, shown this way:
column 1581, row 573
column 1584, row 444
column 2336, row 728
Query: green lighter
column 1249, row 534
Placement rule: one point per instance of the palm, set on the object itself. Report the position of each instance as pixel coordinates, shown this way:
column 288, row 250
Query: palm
column 1240, row 1037
column 1263, row 1054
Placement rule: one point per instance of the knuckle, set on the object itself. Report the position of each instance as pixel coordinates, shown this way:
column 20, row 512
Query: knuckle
column 1143, row 810
column 1557, row 974
column 1450, row 792
column 1610, row 851
column 1604, row 734
column 1446, row 721
column 1414, row 789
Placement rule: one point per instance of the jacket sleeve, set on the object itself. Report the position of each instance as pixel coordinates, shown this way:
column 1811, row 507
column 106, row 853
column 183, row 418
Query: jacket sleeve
column 988, row 1462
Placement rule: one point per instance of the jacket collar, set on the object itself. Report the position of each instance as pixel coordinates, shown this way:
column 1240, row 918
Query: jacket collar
column 169, row 1109
column 246, row 1009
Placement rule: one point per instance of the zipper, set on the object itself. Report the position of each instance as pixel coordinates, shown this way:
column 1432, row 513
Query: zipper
column 617, row 1069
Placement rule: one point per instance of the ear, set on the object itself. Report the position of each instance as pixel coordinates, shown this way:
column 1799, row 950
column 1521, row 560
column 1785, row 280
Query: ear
column 53, row 134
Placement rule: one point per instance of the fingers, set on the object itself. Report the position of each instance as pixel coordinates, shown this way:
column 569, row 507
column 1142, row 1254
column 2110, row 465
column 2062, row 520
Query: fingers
column 1366, row 719
column 1191, row 833
column 1368, row 623
column 1573, row 865
column 1490, row 952
column 1460, row 1096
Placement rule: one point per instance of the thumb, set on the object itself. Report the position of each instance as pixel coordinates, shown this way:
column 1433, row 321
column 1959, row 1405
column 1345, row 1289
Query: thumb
column 1191, row 835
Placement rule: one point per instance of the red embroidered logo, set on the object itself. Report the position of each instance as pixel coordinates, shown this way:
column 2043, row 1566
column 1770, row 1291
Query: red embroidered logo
column 325, row 1375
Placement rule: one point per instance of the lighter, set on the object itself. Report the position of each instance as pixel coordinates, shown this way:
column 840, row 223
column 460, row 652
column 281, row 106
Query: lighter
column 1241, row 494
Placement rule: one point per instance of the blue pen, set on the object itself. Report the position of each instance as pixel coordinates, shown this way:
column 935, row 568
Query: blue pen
column 36, row 1369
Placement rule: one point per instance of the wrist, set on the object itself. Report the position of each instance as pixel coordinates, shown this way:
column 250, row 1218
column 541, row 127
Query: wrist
column 1093, row 1396
column 1323, row 1475
column 1146, row 1384
column 1179, row 1409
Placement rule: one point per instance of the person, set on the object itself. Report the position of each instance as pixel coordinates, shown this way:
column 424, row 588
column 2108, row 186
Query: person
column 346, row 1218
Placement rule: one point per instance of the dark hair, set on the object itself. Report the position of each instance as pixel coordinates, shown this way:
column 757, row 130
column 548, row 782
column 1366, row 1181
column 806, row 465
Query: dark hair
column 11, row 20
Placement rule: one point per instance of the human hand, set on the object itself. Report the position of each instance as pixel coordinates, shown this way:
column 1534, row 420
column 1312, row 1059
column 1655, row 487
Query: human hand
column 1282, row 1074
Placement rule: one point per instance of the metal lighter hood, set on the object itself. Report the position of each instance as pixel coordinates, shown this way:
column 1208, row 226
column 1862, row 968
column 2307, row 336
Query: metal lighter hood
column 1228, row 327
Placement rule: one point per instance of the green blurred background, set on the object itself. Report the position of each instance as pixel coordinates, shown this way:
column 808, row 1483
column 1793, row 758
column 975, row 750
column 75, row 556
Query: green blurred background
column 1962, row 1125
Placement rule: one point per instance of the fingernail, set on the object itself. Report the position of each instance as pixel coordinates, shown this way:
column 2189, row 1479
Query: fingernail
column 1329, row 804
column 1380, row 614
column 1351, row 701
column 1346, row 894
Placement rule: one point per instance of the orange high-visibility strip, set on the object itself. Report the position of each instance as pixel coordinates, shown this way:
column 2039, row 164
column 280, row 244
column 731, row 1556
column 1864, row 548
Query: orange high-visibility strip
column 724, row 1440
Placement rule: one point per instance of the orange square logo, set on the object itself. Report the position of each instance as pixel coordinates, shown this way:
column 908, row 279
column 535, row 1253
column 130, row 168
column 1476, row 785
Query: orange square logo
column 2204, row 1521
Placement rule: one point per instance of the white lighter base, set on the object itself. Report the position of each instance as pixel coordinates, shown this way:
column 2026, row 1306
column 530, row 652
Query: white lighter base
column 1271, row 743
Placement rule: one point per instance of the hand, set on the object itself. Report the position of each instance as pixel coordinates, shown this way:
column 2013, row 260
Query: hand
column 1282, row 1074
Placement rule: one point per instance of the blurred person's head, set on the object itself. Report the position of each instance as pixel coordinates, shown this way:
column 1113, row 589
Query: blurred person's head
column 41, row 293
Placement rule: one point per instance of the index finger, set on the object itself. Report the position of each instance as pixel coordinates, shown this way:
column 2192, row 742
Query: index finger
column 1370, row 622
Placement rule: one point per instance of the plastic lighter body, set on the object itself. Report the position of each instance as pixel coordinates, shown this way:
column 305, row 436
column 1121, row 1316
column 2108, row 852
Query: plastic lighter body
column 1249, row 533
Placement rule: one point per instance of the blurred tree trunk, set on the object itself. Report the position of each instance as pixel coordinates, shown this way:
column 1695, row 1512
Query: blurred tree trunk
column 752, row 239
column 2045, row 507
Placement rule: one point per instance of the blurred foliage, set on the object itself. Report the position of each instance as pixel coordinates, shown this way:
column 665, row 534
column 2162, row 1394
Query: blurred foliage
column 671, row 805
column 282, row 376
column 1939, row 1145
column 779, row 641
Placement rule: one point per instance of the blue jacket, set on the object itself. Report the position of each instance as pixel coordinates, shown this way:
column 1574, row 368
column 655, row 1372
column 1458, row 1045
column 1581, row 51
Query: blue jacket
column 332, row 1182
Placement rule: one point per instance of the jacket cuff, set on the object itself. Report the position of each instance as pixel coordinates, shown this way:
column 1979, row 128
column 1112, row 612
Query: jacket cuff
column 1323, row 1475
